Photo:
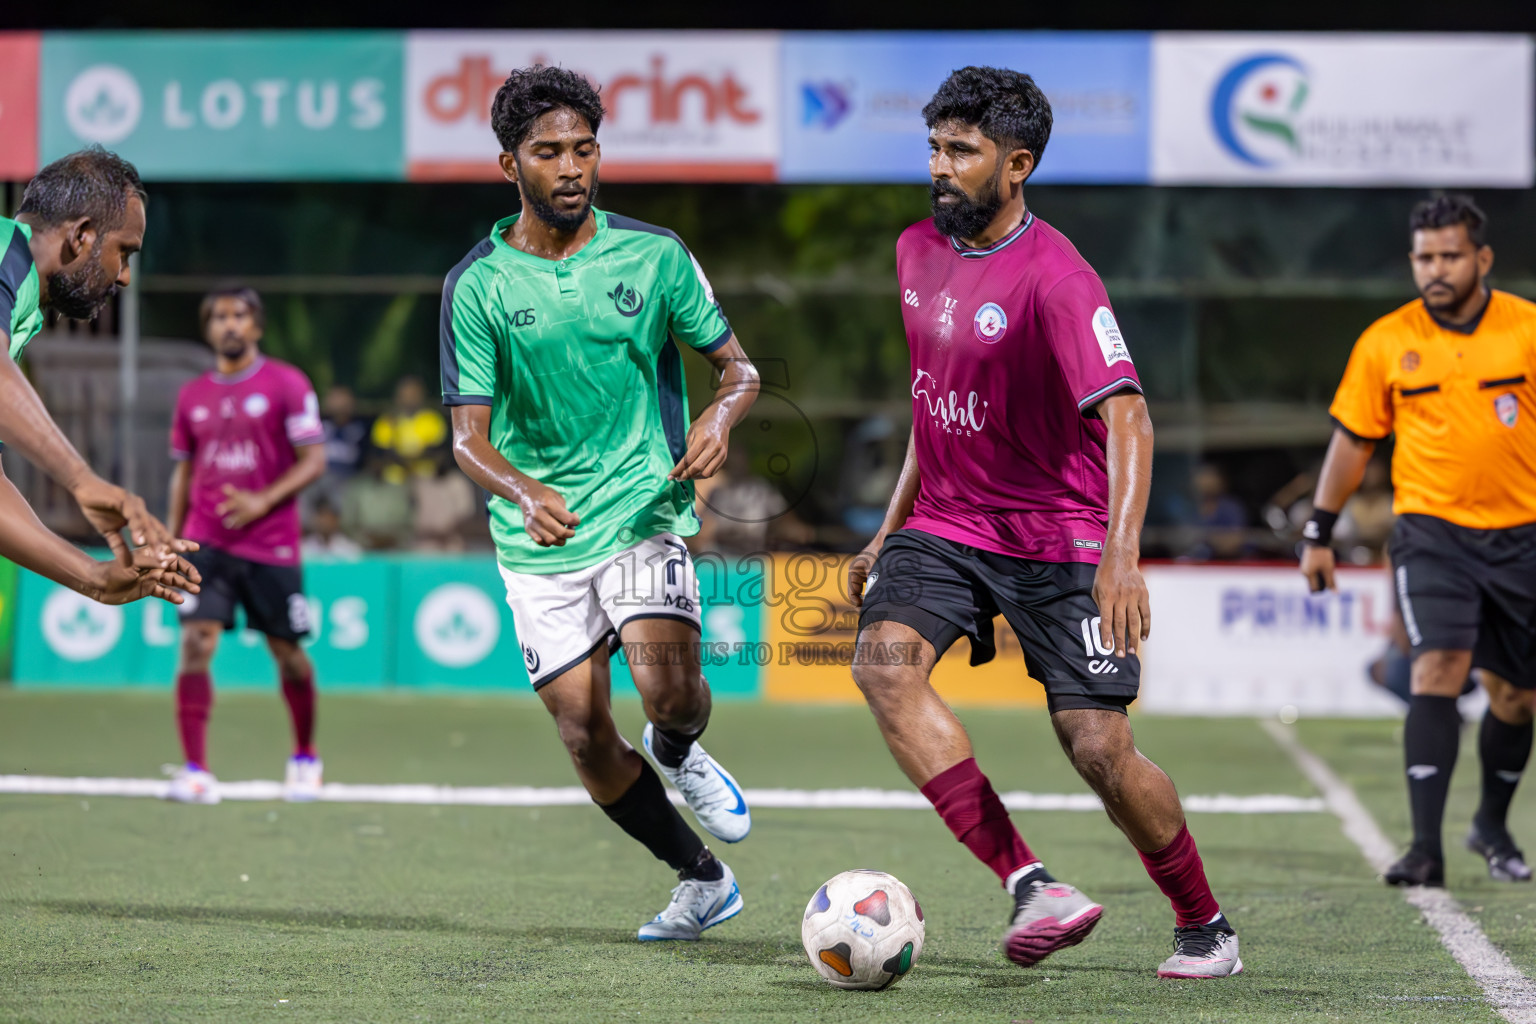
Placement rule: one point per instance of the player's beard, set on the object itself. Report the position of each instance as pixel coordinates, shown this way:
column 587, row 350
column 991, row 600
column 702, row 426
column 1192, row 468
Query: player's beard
column 968, row 217
column 80, row 293
column 233, row 346
column 565, row 221
column 1437, row 301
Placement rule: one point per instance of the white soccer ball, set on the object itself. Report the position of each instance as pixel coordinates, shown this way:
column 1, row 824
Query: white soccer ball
column 863, row 929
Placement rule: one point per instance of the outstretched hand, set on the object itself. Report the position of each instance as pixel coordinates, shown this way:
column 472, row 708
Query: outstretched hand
column 146, row 572
column 109, row 508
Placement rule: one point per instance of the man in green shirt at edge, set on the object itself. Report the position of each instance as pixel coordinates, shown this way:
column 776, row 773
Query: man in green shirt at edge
column 80, row 219
column 565, row 383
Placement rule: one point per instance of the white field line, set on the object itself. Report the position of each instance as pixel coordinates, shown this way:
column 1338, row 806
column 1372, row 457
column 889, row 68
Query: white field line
column 1508, row 990
column 575, row 796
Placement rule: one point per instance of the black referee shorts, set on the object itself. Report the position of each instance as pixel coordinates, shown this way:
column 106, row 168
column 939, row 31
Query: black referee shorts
column 945, row 590
column 1461, row 589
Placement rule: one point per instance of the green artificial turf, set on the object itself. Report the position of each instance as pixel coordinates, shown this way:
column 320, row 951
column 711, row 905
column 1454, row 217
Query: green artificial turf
column 135, row 910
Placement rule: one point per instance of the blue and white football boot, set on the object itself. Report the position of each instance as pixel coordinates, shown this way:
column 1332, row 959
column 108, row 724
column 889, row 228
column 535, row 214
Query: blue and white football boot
column 696, row 905
column 709, row 790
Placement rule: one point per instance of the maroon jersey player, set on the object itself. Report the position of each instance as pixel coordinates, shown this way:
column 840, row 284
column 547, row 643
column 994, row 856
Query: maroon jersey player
column 1023, row 494
column 246, row 437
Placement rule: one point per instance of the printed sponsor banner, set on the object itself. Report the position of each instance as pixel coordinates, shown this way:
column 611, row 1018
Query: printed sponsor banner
column 239, row 106
column 810, row 630
column 681, row 106
column 853, row 101
column 1251, row 641
column 1341, row 109
column 19, row 58
column 411, row 622
column 63, row 638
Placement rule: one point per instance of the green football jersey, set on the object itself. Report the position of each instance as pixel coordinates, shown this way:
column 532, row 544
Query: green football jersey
column 576, row 358
column 19, row 312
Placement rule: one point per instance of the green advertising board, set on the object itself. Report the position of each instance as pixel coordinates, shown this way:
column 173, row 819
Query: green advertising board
column 409, row 621
column 245, row 106
column 66, row 639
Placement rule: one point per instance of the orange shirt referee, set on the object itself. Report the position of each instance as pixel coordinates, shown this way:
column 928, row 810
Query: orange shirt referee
column 1453, row 377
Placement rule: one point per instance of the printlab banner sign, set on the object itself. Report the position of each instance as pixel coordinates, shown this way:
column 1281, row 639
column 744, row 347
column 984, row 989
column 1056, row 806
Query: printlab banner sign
column 242, row 106
column 1341, row 110
column 853, row 102
column 1237, row 640
column 681, row 106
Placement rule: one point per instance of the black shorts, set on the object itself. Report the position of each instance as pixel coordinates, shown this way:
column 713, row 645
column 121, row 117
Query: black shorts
column 1461, row 589
column 272, row 595
column 945, row 590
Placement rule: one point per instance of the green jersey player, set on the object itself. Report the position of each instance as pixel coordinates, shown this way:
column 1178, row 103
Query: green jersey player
column 560, row 356
column 67, row 251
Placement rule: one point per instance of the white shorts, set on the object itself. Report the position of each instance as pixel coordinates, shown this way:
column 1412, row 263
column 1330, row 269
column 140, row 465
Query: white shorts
column 562, row 618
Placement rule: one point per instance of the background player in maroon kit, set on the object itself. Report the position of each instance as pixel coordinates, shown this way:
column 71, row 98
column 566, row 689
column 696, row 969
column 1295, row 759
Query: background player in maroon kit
column 1023, row 494
column 248, row 439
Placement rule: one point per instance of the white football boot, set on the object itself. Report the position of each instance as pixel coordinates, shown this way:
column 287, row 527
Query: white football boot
column 695, row 906
column 191, row 785
column 1203, row 951
column 301, row 782
column 709, row 790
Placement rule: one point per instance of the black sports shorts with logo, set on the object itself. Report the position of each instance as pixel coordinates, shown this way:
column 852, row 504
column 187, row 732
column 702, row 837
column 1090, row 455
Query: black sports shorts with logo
column 945, row 590
column 272, row 595
column 1461, row 589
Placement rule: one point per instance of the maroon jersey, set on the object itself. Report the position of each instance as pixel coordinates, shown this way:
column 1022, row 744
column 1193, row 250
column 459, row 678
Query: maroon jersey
column 241, row 430
column 1012, row 346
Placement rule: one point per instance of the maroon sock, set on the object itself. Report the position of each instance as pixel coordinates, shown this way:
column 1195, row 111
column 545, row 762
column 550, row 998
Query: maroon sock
column 1177, row 870
column 300, row 695
column 194, row 700
column 965, row 800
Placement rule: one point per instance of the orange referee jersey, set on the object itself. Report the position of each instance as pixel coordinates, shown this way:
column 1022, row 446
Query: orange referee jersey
column 1463, row 406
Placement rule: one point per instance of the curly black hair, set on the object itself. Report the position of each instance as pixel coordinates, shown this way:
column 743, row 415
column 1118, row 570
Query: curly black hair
column 530, row 93
column 94, row 183
column 1006, row 105
column 1442, row 211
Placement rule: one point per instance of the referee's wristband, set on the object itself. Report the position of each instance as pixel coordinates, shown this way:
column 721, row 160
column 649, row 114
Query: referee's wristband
column 1319, row 529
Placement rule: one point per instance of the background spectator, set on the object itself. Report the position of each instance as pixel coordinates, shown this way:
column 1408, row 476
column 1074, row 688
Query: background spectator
column 325, row 539
column 1220, row 516
column 411, row 436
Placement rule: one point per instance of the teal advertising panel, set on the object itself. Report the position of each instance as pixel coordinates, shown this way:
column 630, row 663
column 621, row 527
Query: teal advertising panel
column 65, row 639
column 407, row 621
column 234, row 106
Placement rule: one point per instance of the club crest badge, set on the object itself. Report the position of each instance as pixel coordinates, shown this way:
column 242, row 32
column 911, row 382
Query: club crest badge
column 1508, row 408
column 990, row 323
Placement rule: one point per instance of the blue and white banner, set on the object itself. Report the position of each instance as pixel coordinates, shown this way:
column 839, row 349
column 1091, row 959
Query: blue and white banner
column 1335, row 109
column 852, row 101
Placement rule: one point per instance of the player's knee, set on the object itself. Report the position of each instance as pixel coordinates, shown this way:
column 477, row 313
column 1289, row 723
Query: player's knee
column 197, row 648
column 684, row 708
column 1097, row 759
column 881, row 683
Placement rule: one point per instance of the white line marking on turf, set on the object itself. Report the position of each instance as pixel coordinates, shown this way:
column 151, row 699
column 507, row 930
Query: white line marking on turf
column 575, row 796
column 1508, row 990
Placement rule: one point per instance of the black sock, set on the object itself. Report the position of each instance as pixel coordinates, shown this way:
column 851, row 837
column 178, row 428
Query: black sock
column 705, row 868
column 670, row 747
column 1033, row 875
column 646, row 814
column 1430, row 738
column 1504, row 750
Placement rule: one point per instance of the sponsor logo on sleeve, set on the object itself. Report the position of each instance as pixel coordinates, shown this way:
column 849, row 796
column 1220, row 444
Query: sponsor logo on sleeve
column 1111, row 342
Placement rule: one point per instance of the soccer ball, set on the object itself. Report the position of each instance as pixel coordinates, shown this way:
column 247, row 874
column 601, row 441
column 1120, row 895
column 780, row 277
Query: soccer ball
column 863, row 929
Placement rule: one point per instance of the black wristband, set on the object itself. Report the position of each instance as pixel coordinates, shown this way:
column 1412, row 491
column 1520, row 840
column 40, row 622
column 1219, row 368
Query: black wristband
column 1319, row 529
